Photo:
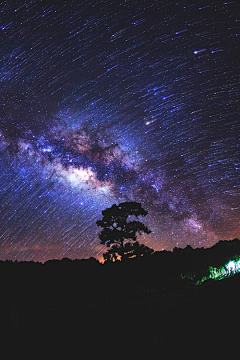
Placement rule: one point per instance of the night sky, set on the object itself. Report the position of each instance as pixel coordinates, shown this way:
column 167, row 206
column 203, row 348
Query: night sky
column 103, row 102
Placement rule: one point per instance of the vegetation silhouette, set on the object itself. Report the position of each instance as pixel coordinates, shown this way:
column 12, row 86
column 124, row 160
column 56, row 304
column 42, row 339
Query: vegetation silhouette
column 128, row 251
column 65, row 306
column 120, row 234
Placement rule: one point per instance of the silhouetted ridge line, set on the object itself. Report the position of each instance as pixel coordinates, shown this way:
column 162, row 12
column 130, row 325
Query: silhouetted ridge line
column 88, row 280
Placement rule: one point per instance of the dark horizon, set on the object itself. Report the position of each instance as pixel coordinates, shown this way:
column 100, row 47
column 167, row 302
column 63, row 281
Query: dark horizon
column 218, row 245
column 161, row 305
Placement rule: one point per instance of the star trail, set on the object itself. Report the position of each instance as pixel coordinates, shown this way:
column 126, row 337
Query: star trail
column 103, row 102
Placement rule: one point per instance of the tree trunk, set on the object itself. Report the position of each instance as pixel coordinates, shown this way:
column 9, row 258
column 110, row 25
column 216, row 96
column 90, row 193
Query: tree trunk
column 122, row 250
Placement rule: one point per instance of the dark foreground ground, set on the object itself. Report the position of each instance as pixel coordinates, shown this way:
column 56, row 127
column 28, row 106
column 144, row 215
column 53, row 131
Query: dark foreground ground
column 200, row 322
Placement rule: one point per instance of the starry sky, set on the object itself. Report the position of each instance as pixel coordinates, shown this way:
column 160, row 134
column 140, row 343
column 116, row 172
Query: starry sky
column 103, row 102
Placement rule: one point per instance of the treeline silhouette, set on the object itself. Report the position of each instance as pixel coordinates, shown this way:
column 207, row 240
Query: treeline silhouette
column 87, row 280
column 142, row 307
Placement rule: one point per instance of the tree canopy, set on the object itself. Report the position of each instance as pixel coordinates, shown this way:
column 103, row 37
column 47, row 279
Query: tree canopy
column 117, row 228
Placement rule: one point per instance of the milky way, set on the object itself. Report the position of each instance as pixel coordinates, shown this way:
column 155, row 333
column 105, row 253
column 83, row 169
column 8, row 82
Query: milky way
column 108, row 102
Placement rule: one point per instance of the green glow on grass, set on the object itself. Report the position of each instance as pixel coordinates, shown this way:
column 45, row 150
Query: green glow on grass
column 232, row 267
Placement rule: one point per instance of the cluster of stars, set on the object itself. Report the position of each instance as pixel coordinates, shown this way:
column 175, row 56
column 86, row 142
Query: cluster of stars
column 103, row 103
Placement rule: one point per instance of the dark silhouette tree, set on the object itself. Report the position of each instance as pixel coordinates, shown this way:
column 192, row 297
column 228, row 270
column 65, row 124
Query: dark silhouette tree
column 129, row 250
column 119, row 234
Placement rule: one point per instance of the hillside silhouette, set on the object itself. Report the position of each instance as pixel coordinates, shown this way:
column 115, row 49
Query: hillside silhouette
column 145, row 307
